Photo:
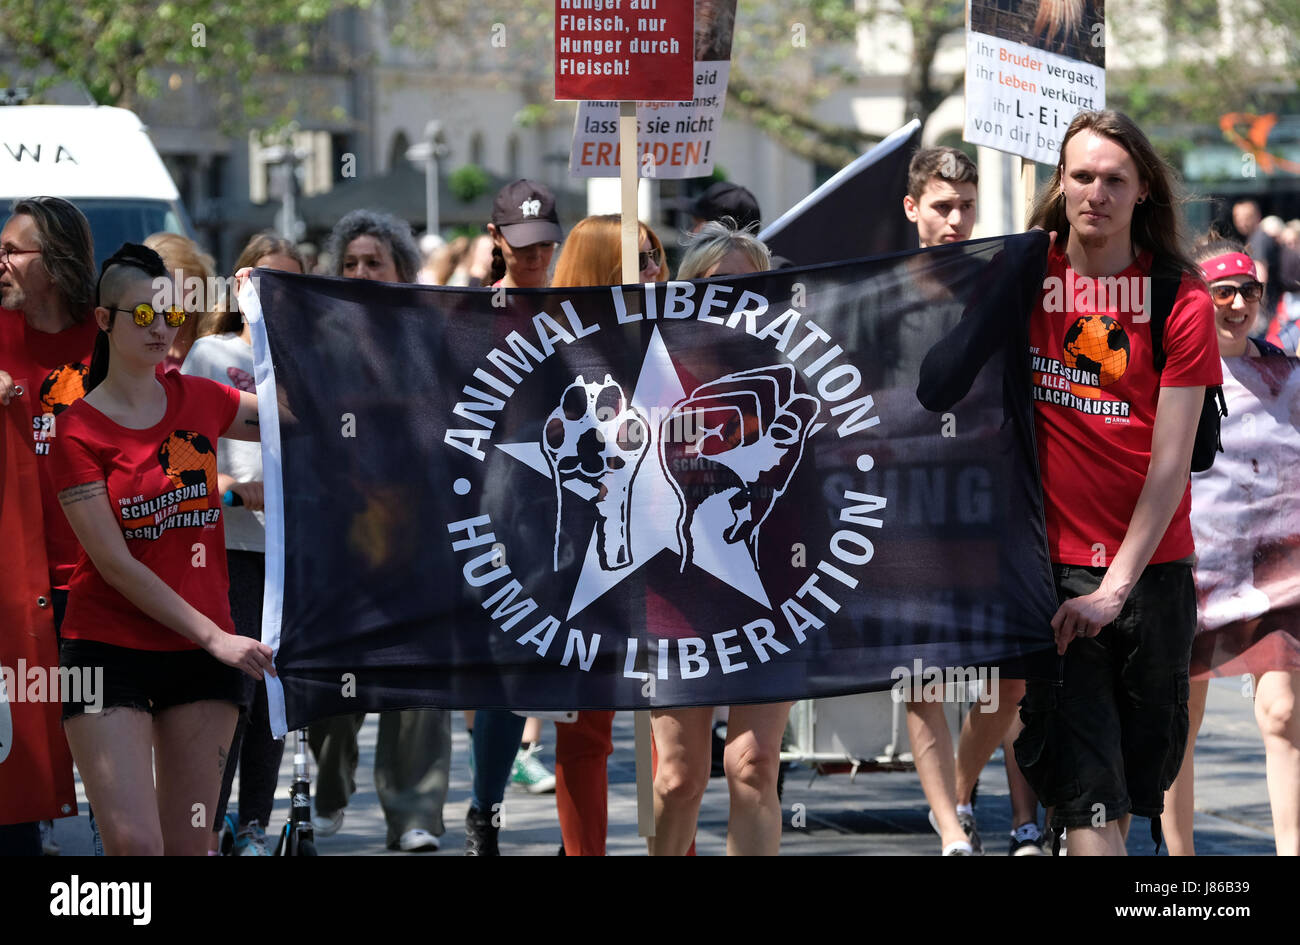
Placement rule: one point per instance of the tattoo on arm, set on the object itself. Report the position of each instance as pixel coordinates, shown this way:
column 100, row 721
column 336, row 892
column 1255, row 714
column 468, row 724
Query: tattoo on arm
column 88, row 490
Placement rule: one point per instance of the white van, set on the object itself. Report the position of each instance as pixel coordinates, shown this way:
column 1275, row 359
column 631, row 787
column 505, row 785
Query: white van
column 99, row 158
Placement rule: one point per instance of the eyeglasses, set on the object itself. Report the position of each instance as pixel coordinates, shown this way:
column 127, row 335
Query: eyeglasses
column 5, row 254
column 144, row 314
column 1224, row 292
column 655, row 256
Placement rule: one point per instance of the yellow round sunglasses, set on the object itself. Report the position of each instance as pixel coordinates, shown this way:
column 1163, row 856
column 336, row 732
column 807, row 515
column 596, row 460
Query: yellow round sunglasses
column 144, row 314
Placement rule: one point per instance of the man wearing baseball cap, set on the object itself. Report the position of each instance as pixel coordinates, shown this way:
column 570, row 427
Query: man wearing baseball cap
column 524, row 231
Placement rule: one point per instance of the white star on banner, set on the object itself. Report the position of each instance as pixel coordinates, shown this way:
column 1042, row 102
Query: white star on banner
column 654, row 505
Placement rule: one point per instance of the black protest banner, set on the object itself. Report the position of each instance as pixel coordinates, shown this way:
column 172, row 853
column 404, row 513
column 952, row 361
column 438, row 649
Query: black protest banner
column 735, row 490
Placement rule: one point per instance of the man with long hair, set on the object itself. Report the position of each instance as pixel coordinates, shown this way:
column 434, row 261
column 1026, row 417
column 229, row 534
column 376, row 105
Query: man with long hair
column 47, row 286
column 1115, row 430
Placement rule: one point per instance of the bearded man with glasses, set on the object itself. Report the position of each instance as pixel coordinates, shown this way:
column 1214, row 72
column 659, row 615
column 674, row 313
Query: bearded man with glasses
column 47, row 288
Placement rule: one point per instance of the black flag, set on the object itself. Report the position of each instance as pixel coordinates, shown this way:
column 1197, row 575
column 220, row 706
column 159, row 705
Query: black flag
column 858, row 212
column 733, row 490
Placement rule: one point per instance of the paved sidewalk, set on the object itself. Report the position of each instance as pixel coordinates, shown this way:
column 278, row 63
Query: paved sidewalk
column 875, row 814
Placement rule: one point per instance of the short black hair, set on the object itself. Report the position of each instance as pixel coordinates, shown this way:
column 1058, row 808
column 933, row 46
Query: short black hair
column 130, row 263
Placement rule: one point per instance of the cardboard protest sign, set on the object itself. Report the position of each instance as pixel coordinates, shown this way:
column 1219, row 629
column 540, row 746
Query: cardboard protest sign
column 675, row 139
column 624, row 50
column 1029, row 71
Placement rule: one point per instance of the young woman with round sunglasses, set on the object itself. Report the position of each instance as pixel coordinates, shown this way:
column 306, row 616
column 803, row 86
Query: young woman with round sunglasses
column 1265, row 648
column 148, row 615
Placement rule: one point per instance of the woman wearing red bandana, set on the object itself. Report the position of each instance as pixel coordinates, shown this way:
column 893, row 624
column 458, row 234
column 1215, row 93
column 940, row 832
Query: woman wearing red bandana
column 1245, row 518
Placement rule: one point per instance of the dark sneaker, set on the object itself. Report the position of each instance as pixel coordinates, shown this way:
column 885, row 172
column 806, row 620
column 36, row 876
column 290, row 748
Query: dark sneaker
column 480, row 834
column 1026, row 840
column 967, row 822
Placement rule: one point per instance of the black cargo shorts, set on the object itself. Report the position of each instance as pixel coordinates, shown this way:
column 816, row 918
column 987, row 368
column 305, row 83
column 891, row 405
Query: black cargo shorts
column 1109, row 737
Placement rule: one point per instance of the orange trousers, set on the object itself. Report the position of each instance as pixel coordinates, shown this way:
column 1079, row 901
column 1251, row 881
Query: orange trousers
column 582, row 782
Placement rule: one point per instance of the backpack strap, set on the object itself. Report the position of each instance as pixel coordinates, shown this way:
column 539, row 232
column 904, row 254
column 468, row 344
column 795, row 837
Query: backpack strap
column 1165, row 280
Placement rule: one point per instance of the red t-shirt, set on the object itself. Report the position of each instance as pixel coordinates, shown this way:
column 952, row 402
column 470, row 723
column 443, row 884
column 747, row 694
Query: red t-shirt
column 1095, row 394
column 51, row 369
column 162, row 485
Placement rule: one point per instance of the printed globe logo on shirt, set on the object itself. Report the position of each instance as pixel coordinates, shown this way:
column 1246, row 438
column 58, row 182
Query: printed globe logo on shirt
column 189, row 462
column 188, row 459
column 1095, row 347
column 62, row 387
column 694, row 462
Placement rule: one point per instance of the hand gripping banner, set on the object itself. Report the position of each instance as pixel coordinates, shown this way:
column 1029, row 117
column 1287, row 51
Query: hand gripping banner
column 746, row 489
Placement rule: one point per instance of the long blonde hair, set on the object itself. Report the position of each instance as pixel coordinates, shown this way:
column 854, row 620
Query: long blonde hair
column 185, row 261
column 714, row 240
column 593, row 253
column 1058, row 17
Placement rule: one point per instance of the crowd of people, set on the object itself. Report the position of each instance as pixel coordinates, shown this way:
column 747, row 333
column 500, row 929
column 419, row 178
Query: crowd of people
column 156, row 443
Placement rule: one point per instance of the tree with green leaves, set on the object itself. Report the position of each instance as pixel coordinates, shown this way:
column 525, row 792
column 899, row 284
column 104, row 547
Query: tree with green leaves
column 116, row 49
column 786, row 57
column 1190, row 75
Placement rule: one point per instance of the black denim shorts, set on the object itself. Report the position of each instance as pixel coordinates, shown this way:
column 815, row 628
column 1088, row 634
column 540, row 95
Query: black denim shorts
column 1109, row 737
column 148, row 680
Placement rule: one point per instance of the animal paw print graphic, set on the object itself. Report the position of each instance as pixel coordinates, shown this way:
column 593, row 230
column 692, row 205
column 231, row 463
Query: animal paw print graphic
column 594, row 442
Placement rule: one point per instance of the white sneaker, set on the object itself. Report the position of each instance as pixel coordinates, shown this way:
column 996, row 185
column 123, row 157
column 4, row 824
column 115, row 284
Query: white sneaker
column 327, row 825
column 418, row 841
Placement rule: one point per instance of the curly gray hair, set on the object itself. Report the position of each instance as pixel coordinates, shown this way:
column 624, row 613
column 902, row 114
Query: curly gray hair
column 394, row 233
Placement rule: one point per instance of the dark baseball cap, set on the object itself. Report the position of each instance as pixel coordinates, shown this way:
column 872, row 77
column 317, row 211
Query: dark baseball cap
column 725, row 199
column 524, row 213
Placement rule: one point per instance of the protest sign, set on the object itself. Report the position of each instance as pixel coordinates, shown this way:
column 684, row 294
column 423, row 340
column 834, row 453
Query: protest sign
column 675, row 139
column 1029, row 71
column 623, row 50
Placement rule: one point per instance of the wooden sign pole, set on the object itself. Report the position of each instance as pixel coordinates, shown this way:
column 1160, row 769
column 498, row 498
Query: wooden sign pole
column 1027, row 184
column 631, row 243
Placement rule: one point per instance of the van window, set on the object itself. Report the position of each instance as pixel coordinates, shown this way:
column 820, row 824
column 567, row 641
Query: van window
column 117, row 221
